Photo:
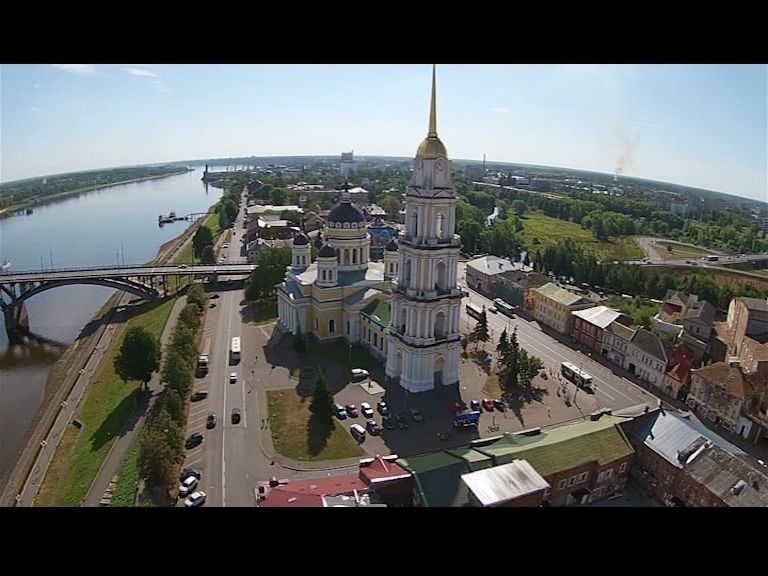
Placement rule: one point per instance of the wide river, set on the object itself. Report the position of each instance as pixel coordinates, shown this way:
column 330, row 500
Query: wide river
column 101, row 227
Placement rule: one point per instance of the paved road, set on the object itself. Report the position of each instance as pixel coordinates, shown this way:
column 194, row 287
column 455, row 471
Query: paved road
column 652, row 250
column 612, row 390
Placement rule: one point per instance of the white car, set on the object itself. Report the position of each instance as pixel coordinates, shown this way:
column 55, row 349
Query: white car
column 196, row 499
column 225, row 245
column 366, row 409
column 233, row 378
column 187, row 485
column 359, row 374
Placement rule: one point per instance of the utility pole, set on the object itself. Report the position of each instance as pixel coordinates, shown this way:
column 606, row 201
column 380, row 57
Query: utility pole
column 50, row 251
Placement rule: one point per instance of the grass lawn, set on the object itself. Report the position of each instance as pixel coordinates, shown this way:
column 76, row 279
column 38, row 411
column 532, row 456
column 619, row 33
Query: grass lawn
column 639, row 309
column 549, row 230
column 339, row 353
column 213, row 224
column 186, row 256
column 128, row 476
column 108, row 403
column 51, row 485
column 680, row 251
column 295, row 436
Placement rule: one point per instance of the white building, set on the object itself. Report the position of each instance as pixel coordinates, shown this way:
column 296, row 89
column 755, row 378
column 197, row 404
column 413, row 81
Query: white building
column 348, row 164
column 423, row 338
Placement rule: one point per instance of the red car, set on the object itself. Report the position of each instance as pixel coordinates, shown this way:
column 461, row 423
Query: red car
column 351, row 410
column 459, row 407
column 488, row 404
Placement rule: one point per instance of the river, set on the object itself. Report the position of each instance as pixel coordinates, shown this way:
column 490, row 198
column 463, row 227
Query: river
column 106, row 226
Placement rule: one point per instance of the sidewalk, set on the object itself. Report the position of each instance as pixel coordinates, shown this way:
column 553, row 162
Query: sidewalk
column 135, row 422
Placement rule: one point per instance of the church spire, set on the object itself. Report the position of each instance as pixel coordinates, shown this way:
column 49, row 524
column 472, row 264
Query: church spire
column 433, row 109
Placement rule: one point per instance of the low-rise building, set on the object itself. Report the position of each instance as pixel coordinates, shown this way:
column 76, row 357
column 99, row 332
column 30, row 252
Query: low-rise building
column 697, row 327
column 512, row 485
column 481, row 272
column 676, row 379
column 515, row 287
column 589, row 326
column 718, row 392
column 374, row 320
column 554, row 306
column 679, row 462
column 616, row 339
column 583, row 462
column 648, row 359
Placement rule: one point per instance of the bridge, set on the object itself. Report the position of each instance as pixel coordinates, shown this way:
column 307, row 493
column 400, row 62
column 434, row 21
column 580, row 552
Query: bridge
column 147, row 281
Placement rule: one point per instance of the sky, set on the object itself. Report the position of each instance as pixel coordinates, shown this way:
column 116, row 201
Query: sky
column 699, row 125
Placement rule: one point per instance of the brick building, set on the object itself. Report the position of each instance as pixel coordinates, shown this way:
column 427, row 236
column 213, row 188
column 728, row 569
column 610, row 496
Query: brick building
column 590, row 324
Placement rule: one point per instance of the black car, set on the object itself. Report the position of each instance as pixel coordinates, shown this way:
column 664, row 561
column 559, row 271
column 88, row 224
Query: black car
column 187, row 472
column 499, row 405
column 383, row 408
column 475, row 405
column 214, row 296
column 194, row 440
column 388, row 422
column 402, row 421
column 211, row 422
column 235, row 415
column 373, row 427
column 199, row 395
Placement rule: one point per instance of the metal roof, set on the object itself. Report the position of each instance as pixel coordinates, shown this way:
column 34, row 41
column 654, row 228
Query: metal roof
column 600, row 316
column 503, row 483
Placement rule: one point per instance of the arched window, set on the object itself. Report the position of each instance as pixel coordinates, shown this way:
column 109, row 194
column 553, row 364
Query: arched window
column 323, row 275
column 414, row 225
column 346, row 256
column 442, row 282
column 354, row 255
column 347, row 326
column 439, row 225
column 317, row 325
column 331, row 326
column 439, row 326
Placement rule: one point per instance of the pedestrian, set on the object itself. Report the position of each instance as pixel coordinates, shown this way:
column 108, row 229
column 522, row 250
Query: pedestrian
column 549, row 413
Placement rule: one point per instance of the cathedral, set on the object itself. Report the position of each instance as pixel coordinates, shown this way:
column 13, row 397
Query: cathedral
column 404, row 310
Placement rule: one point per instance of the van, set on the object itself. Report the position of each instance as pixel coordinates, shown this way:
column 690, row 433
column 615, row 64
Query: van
column 358, row 432
column 187, row 486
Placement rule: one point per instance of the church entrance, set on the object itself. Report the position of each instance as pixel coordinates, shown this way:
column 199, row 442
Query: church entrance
column 439, row 363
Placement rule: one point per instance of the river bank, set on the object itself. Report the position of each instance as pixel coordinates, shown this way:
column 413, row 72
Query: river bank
column 9, row 211
column 63, row 375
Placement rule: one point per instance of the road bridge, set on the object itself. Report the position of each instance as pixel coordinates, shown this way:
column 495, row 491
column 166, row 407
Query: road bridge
column 146, row 281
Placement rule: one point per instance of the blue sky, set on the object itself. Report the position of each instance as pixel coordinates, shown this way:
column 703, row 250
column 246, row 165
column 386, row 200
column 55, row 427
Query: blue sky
column 699, row 125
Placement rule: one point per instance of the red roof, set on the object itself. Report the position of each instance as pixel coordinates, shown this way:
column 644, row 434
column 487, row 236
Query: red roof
column 382, row 470
column 671, row 309
column 683, row 362
column 310, row 492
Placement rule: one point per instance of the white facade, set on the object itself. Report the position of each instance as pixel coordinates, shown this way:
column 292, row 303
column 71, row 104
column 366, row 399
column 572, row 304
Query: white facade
column 423, row 338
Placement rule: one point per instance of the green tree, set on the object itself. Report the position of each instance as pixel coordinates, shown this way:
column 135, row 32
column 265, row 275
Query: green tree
column 196, row 295
column 177, row 372
column 184, row 342
column 278, row 196
column 480, row 333
column 322, row 401
column 270, row 271
column 170, row 401
column 299, row 341
column 529, row 367
column 502, row 348
column 519, row 207
column 208, row 256
column 202, row 238
column 190, row 316
column 160, row 451
column 139, row 356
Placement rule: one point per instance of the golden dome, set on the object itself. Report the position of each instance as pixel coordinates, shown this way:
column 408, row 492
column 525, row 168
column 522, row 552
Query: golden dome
column 430, row 148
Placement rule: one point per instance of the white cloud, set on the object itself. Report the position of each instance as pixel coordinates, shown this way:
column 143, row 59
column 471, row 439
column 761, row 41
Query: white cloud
column 501, row 110
column 83, row 69
column 36, row 109
column 140, row 72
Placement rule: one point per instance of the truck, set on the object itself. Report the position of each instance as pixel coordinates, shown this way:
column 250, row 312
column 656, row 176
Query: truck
column 466, row 419
column 203, row 360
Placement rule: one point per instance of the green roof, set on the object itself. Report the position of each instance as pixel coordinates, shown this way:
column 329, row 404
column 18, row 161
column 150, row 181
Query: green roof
column 561, row 295
column 565, row 447
column 475, row 460
column 378, row 310
column 438, row 479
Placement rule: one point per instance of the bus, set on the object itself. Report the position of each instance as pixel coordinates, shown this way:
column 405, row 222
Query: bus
column 474, row 310
column 576, row 375
column 235, row 351
column 503, row 307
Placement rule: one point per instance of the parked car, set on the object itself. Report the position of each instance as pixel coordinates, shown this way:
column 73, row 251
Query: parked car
column 235, row 415
column 383, row 408
column 416, row 415
column 366, row 409
column 341, row 414
column 199, row 395
column 373, row 427
column 214, row 296
column 182, row 266
column 187, row 486
column 194, row 440
column 351, row 410
column 233, row 378
column 402, row 421
column 458, row 407
column 475, row 404
column 211, row 421
column 225, row 245
column 359, row 374
column 499, row 405
column 388, row 422
column 196, row 499
column 358, row 432
column 488, row 404
column 197, row 473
